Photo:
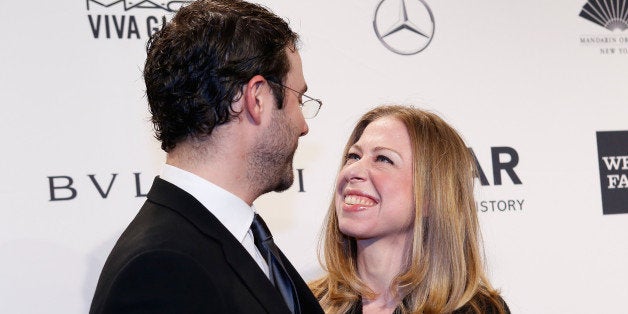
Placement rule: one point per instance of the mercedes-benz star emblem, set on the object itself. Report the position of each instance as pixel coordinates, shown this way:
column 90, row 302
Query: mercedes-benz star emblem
column 405, row 27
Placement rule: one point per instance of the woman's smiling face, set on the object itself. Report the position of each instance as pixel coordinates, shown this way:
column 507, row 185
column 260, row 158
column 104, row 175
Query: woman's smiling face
column 374, row 189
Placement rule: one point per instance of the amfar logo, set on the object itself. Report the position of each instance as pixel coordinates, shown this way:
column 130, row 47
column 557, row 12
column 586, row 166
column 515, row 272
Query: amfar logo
column 109, row 19
column 612, row 148
column 504, row 160
column 499, row 165
column 610, row 14
column 405, row 27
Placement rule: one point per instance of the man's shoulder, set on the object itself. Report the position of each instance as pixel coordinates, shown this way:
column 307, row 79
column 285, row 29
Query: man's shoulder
column 156, row 248
column 157, row 278
column 159, row 228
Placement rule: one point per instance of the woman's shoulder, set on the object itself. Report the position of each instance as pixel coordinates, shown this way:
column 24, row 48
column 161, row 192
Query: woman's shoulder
column 493, row 304
column 319, row 287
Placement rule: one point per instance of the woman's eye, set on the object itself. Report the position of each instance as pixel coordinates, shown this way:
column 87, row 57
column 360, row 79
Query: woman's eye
column 383, row 158
column 352, row 157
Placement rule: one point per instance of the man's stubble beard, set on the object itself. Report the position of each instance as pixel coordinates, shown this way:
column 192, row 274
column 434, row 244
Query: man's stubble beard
column 270, row 165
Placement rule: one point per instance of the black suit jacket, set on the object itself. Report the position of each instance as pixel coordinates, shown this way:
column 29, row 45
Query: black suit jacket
column 176, row 257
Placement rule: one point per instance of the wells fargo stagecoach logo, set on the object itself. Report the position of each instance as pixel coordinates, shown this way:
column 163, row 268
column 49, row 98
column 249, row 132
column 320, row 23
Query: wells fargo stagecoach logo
column 405, row 27
column 613, row 16
column 612, row 148
column 128, row 19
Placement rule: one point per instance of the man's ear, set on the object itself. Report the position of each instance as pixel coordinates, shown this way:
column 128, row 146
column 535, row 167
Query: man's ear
column 254, row 98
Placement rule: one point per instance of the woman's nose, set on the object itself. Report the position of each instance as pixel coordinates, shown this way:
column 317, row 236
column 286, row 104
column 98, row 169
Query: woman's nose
column 355, row 171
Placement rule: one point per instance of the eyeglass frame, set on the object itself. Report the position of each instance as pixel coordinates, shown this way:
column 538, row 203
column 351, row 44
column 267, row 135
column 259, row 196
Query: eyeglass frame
column 302, row 103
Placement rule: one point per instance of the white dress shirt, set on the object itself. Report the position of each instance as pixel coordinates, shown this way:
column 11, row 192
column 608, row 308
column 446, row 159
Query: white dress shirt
column 235, row 214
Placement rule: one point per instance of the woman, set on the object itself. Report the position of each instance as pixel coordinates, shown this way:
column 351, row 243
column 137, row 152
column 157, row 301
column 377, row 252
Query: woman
column 402, row 233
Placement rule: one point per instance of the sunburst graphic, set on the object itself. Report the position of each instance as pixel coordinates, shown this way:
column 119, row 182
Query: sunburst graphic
column 611, row 14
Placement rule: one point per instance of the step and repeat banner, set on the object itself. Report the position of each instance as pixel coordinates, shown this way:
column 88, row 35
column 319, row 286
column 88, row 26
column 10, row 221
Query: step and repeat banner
column 538, row 89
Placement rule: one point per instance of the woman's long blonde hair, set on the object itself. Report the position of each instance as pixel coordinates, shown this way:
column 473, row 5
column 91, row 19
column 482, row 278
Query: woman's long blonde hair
column 444, row 270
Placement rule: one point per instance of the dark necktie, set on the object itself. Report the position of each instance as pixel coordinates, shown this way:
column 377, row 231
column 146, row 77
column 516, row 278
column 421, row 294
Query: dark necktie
column 278, row 274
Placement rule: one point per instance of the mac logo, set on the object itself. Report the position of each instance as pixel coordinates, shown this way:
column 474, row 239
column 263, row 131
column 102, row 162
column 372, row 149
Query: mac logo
column 405, row 27
column 170, row 6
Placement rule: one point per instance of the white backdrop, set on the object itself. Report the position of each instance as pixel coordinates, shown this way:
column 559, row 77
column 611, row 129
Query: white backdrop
column 533, row 76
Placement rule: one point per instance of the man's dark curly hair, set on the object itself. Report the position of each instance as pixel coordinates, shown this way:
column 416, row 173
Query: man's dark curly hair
column 198, row 63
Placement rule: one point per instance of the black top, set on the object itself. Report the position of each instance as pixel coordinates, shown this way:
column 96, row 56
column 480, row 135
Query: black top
column 467, row 309
column 176, row 257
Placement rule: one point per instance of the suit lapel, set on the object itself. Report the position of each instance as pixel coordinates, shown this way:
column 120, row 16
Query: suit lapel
column 237, row 257
column 309, row 303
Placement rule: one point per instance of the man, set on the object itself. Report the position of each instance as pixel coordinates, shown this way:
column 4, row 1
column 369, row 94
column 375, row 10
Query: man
column 224, row 82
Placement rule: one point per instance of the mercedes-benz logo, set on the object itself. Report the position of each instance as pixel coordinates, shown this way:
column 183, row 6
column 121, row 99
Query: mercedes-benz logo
column 405, row 27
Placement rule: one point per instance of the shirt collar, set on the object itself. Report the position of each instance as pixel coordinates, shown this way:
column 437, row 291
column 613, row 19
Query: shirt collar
column 235, row 214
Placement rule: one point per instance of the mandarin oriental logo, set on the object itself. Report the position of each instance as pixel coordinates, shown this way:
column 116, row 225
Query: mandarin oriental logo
column 610, row 39
column 610, row 14
column 405, row 27
column 612, row 149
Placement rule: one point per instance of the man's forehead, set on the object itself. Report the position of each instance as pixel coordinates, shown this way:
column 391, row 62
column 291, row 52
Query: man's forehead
column 295, row 76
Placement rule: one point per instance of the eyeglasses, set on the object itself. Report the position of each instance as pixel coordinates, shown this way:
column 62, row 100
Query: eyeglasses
column 310, row 107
